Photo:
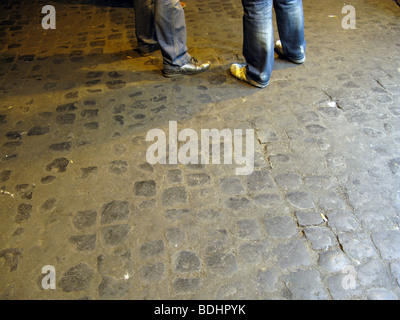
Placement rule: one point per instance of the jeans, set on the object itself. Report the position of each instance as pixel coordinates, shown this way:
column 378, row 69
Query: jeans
column 162, row 23
column 258, row 42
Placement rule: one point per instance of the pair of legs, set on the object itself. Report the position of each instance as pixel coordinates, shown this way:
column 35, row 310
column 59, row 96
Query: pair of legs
column 160, row 24
column 258, row 40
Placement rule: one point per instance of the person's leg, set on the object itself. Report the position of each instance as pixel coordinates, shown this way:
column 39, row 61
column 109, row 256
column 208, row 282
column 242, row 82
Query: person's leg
column 290, row 22
column 258, row 43
column 258, row 39
column 170, row 28
column 144, row 26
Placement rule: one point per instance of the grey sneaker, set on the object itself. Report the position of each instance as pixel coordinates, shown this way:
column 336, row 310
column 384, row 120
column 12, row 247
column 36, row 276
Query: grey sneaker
column 238, row 70
column 279, row 50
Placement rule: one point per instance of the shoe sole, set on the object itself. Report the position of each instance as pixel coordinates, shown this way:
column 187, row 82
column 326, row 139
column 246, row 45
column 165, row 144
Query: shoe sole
column 173, row 75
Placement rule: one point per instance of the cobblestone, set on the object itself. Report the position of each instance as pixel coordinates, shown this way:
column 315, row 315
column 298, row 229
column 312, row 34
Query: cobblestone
column 317, row 218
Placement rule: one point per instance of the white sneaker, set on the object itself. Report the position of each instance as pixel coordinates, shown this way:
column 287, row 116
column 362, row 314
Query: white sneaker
column 238, row 70
column 279, row 50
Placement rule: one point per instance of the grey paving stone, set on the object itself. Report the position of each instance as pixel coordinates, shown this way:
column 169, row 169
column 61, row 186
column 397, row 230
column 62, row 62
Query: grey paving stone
column 114, row 211
column 222, row 264
column 86, row 172
column 215, row 240
column 238, row 204
column 151, row 248
column 253, row 252
column 318, row 182
column 84, row 219
column 300, row 199
column 174, row 176
column 331, row 201
column 175, row 236
column 333, row 261
column 259, row 181
column 146, row 188
column 11, row 257
column 267, row 279
column 114, row 235
column 374, row 273
column 77, row 278
column 110, row 288
column 67, row 118
column 208, row 214
column 306, row 285
column 62, row 146
column 280, row 227
column 248, row 229
column 5, row 175
column 183, row 286
column 85, row 242
column 381, row 294
column 152, row 272
column 23, row 212
column 315, row 129
column 38, row 130
column 343, row 221
column 387, row 243
column 321, row 238
column 231, row 186
column 58, row 165
column 174, row 196
column 395, row 269
column 292, row 254
column 198, row 179
column 176, row 214
column 394, row 165
column 288, row 180
column 307, row 116
column 356, row 245
column 186, row 261
column 267, row 199
column 344, row 286
column 309, row 218
column 231, row 291
column 118, row 167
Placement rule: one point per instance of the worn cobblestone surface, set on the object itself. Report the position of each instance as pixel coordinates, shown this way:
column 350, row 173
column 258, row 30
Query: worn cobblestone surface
column 322, row 205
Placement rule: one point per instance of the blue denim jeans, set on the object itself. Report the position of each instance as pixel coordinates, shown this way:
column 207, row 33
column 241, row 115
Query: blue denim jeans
column 162, row 23
column 258, row 35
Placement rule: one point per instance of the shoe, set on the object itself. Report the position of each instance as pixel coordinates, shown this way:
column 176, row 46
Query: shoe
column 190, row 68
column 145, row 52
column 183, row 4
column 238, row 70
column 279, row 50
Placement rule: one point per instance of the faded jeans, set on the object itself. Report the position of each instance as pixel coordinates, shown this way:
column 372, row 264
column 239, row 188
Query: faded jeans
column 258, row 42
column 162, row 23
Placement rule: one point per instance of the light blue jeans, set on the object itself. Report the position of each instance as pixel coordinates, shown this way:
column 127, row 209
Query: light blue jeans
column 258, row 36
column 162, row 22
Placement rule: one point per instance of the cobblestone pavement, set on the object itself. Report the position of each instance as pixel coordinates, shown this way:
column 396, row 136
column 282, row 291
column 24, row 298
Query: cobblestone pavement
column 317, row 219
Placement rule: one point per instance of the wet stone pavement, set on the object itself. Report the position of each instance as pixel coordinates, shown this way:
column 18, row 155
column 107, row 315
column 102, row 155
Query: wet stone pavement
column 318, row 218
